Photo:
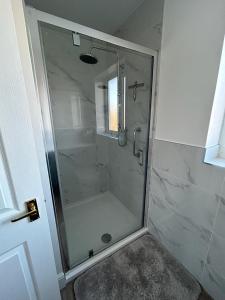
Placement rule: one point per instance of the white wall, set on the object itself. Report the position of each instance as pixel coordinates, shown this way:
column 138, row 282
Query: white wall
column 192, row 39
column 144, row 25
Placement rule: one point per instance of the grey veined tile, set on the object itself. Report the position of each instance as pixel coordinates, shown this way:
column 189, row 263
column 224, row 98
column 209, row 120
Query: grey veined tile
column 222, row 192
column 186, row 162
column 214, row 272
column 215, row 258
column 182, row 217
column 213, row 283
column 186, row 241
column 170, row 194
column 177, row 159
column 219, row 227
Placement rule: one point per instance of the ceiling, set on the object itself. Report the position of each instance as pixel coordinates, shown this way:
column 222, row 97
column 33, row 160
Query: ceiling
column 104, row 15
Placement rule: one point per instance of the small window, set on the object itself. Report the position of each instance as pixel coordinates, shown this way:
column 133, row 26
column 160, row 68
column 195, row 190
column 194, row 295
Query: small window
column 215, row 143
column 113, row 104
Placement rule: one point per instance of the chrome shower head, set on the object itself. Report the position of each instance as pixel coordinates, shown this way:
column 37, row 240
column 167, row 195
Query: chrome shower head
column 88, row 59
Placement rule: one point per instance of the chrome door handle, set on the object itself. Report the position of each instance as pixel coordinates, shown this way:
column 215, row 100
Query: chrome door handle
column 135, row 153
column 141, row 157
column 32, row 212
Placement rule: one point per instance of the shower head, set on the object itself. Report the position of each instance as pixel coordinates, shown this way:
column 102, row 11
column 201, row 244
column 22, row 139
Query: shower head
column 88, row 59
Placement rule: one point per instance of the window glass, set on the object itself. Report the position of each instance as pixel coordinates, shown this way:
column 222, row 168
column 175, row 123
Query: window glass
column 113, row 104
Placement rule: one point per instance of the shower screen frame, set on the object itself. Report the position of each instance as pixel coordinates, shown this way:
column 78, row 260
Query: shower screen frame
column 45, row 144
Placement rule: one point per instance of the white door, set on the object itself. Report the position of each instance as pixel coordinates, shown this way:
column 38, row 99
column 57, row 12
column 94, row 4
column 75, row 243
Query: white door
column 27, row 267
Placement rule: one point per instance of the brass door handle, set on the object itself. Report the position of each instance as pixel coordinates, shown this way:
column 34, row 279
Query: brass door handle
column 32, row 212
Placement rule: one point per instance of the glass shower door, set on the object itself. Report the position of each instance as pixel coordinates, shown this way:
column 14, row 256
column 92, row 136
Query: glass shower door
column 100, row 125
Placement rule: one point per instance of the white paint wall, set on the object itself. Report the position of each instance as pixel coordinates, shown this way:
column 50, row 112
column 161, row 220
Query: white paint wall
column 102, row 15
column 144, row 25
column 192, row 39
column 193, row 33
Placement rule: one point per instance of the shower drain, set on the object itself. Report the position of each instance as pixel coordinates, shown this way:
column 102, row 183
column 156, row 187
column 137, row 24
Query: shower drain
column 106, row 238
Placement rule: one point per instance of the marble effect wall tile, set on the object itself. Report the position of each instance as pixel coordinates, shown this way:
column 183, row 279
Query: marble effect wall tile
column 126, row 178
column 213, row 277
column 187, row 162
column 213, row 282
column 187, row 211
column 219, row 227
column 184, row 216
column 81, row 176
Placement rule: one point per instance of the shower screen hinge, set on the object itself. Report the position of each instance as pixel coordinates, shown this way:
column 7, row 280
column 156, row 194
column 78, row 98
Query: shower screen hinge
column 76, row 39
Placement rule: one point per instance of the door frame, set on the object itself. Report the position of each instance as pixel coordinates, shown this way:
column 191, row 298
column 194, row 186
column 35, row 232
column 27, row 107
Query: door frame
column 46, row 154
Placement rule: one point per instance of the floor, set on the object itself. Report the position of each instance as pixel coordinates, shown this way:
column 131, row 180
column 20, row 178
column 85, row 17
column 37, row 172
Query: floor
column 68, row 292
column 144, row 269
column 87, row 221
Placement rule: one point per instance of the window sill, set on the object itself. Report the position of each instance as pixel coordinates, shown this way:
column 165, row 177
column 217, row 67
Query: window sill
column 212, row 158
column 219, row 162
column 108, row 135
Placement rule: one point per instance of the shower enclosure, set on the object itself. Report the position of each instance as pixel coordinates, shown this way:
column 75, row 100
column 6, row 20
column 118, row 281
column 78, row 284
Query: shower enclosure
column 96, row 128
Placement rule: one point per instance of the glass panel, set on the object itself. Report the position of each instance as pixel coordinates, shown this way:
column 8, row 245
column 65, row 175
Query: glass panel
column 102, row 179
column 113, row 104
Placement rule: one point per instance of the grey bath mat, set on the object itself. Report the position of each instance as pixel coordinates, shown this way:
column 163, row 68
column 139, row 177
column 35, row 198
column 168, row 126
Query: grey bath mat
column 140, row 270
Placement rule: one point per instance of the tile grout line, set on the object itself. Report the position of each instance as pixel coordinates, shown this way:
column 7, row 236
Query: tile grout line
column 210, row 239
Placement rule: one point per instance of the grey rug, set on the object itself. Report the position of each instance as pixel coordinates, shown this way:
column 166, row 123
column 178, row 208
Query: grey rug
column 141, row 270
